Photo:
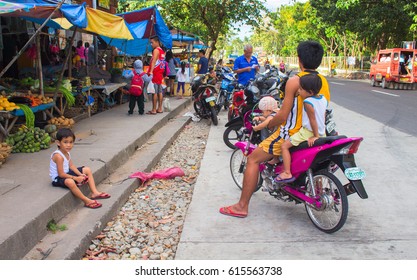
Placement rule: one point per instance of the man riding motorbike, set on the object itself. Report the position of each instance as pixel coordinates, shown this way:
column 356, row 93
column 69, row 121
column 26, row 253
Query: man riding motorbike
column 310, row 54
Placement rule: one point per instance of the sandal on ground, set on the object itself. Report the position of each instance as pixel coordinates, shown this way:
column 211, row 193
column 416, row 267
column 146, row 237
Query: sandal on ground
column 151, row 113
column 102, row 195
column 93, row 205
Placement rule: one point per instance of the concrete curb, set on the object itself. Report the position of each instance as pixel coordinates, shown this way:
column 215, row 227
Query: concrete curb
column 84, row 224
column 18, row 243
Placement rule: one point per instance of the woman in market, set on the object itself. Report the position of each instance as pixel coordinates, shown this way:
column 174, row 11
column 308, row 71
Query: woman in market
column 156, row 70
column 169, row 57
column 81, row 52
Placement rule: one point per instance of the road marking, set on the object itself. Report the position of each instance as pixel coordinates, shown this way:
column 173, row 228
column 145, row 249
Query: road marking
column 337, row 83
column 387, row 93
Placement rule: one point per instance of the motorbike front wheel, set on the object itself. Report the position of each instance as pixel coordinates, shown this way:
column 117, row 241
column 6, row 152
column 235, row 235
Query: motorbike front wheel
column 238, row 167
column 333, row 212
column 232, row 134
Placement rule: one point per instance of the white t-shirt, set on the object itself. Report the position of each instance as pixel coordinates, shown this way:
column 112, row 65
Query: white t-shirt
column 319, row 104
column 181, row 77
column 53, row 170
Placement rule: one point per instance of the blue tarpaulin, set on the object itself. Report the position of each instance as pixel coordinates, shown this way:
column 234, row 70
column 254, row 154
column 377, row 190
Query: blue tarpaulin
column 68, row 15
column 143, row 24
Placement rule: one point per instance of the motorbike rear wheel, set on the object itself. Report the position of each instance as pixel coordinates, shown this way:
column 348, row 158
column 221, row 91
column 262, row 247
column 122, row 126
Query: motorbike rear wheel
column 232, row 134
column 333, row 213
column 213, row 115
column 237, row 169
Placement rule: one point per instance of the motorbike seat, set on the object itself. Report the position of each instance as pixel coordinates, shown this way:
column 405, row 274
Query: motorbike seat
column 318, row 142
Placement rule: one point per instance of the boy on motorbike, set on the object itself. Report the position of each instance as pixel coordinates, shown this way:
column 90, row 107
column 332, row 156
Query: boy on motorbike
column 268, row 105
column 289, row 118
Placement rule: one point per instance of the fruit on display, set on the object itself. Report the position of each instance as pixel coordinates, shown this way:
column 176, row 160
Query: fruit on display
column 62, row 122
column 29, row 140
column 10, row 103
column 5, row 150
column 5, row 105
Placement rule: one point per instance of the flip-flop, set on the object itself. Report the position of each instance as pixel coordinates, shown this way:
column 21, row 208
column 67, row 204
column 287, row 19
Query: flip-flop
column 93, row 205
column 159, row 112
column 102, row 195
column 227, row 210
column 278, row 179
column 151, row 113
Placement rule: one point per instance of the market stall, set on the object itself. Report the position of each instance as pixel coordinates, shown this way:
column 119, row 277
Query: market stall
column 17, row 124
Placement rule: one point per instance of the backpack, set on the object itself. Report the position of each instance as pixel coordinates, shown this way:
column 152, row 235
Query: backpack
column 136, row 87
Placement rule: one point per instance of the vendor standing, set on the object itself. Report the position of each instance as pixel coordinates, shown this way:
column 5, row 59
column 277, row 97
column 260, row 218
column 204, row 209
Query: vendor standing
column 246, row 66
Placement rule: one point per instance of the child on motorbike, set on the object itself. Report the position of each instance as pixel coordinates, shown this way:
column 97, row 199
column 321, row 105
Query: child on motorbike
column 268, row 105
column 313, row 127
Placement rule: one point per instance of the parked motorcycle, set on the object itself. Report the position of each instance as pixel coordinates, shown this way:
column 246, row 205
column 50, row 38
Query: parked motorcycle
column 270, row 83
column 204, row 97
column 227, row 87
column 315, row 184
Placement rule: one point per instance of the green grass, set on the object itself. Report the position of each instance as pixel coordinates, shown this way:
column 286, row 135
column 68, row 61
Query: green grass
column 54, row 227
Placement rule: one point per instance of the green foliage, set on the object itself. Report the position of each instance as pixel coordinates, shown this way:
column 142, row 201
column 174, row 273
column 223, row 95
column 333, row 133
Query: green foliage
column 375, row 24
column 54, row 227
column 210, row 19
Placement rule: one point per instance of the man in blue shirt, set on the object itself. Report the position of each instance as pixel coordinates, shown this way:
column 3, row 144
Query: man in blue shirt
column 202, row 63
column 246, row 65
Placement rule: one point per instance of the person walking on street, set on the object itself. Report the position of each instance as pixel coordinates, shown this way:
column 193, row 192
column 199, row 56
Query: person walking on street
column 246, row 66
column 203, row 63
column 136, row 91
column 333, row 68
column 289, row 118
column 156, row 71
column 169, row 57
column 181, row 78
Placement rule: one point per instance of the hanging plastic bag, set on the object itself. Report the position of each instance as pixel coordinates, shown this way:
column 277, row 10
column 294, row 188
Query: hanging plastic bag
column 150, row 88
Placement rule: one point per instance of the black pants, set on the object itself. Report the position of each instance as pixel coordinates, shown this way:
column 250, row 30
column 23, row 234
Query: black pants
column 140, row 100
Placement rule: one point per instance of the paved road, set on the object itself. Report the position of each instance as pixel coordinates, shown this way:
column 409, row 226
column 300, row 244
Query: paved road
column 395, row 108
column 381, row 227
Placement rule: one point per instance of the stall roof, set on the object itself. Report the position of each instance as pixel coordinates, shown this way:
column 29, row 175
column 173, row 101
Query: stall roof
column 143, row 24
column 69, row 15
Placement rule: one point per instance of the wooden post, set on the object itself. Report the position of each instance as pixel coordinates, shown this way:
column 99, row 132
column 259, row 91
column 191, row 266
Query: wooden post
column 30, row 40
column 59, row 83
column 39, row 62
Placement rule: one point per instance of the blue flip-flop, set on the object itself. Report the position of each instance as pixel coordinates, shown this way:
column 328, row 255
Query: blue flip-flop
column 278, row 179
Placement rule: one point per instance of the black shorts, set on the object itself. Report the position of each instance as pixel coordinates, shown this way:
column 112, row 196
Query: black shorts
column 172, row 77
column 60, row 182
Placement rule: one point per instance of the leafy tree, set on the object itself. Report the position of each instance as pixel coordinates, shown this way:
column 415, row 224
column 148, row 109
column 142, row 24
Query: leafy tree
column 378, row 24
column 133, row 5
column 210, row 19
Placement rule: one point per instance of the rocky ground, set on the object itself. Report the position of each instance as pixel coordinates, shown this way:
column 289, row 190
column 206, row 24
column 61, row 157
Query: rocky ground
column 149, row 225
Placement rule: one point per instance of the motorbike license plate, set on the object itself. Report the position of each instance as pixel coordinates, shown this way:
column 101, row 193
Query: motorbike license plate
column 355, row 173
column 211, row 98
column 330, row 126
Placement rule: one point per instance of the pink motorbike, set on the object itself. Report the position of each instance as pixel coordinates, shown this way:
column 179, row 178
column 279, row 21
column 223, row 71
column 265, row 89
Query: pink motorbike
column 316, row 185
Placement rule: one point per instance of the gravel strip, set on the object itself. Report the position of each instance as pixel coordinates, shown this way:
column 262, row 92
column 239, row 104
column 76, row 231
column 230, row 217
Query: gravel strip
column 149, row 225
